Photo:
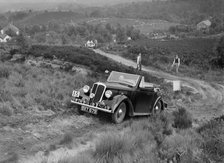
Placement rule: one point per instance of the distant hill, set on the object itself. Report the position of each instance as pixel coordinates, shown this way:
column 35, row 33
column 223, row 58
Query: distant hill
column 38, row 6
column 49, row 16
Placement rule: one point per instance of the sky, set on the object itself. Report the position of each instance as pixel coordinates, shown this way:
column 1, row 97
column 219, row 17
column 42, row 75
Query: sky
column 33, row 1
column 77, row 1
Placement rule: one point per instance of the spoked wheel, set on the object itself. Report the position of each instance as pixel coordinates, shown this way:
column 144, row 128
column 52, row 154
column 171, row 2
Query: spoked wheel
column 157, row 109
column 119, row 114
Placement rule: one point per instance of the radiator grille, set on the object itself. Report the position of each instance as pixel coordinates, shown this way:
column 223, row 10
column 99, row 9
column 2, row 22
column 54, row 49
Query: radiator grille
column 98, row 90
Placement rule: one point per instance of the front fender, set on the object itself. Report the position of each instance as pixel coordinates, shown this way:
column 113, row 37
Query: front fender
column 115, row 102
column 164, row 105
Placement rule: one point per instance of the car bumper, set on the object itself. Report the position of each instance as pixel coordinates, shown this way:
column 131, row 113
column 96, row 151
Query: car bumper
column 91, row 106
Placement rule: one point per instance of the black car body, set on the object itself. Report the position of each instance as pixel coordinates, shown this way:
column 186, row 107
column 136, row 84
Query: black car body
column 122, row 94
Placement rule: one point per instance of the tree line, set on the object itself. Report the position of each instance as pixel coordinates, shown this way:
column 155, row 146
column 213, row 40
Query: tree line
column 54, row 33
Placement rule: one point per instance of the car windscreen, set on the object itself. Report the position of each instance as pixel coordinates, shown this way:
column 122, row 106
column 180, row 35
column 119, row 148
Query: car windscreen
column 123, row 78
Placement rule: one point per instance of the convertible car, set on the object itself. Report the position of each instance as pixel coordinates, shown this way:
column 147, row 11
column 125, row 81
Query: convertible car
column 122, row 94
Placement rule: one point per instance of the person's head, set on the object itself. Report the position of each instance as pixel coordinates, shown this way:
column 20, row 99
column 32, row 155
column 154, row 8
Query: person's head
column 140, row 54
column 176, row 56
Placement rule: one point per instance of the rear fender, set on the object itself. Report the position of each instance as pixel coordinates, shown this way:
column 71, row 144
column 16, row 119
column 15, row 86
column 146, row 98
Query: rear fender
column 120, row 98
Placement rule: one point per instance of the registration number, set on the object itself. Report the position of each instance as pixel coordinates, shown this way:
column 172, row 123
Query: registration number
column 89, row 110
column 75, row 93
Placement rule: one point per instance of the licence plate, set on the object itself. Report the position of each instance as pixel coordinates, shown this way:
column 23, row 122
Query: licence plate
column 89, row 110
column 75, row 94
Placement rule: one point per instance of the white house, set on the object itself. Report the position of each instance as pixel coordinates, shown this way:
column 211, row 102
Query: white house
column 204, row 25
column 4, row 38
column 12, row 28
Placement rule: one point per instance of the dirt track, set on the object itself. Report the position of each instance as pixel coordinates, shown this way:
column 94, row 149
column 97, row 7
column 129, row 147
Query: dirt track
column 210, row 105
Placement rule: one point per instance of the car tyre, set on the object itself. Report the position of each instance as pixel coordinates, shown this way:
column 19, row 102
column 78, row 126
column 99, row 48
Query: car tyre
column 157, row 109
column 119, row 114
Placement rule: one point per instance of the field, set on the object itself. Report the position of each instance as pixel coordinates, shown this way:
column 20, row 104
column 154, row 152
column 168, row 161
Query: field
column 145, row 26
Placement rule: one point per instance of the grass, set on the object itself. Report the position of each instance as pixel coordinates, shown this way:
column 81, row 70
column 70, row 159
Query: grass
column 25, row 89
column 144, row 140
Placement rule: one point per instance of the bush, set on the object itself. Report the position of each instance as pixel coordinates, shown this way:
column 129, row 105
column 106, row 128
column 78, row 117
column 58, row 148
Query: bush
column 182, row 119
column 67, row 139
column 212, row 134
column 111, row 147
column 6, row 109
column 183, row 147
column 4, row 72
column 218, row 60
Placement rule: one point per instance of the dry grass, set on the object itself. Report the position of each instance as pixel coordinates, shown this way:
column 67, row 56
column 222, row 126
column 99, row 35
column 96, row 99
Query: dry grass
column 26, row 90
column 84, row 157
column 144, row 140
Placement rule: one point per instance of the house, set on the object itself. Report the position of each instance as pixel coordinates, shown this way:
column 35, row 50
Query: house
column 90, row 44
column 129, row 39
column 204, row 25
column 11, row 27
column 4, row 38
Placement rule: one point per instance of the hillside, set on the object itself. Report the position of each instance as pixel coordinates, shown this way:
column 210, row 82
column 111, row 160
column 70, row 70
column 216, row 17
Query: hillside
column 51, row 16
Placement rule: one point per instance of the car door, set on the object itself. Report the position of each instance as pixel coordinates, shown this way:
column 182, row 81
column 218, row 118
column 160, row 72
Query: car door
column 143, row 99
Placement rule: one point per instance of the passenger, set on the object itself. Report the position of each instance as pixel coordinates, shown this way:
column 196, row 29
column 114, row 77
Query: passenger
column 176, row 62
column 139, row 60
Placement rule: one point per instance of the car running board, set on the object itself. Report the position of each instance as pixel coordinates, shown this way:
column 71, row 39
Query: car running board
column 141, row 114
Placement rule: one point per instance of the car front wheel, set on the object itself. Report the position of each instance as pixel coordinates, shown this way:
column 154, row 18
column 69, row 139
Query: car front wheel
column 119, row 114
column 157, row 109
column 79, row 111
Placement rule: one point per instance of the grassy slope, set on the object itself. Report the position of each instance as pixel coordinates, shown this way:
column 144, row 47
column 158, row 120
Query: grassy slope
column 25, row 89
column 155, row 140
column 46, row 17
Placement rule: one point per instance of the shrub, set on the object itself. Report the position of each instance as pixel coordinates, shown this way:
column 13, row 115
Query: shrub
column 6, row 109
column 218, row 60
column 4, row 72
column 111, row 146
column 212, row 134
column 182, row 119
column 67, row 139
column 183, row 147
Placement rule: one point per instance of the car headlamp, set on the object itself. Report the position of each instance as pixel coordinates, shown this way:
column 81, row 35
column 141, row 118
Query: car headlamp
column 86, row 89
column 108, row 94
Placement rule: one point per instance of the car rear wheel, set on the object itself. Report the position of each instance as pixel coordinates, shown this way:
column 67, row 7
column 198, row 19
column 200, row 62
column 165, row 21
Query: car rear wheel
column 157, row 109
column 119, row 114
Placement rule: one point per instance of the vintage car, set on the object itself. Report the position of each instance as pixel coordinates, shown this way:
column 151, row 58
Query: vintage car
column 122, row 94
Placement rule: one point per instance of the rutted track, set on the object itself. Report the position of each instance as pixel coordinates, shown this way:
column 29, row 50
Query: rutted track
column 210, row 105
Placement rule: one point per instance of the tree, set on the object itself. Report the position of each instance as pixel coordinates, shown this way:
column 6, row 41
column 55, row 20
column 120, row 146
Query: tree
column 120, row 33
column 22, row 42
